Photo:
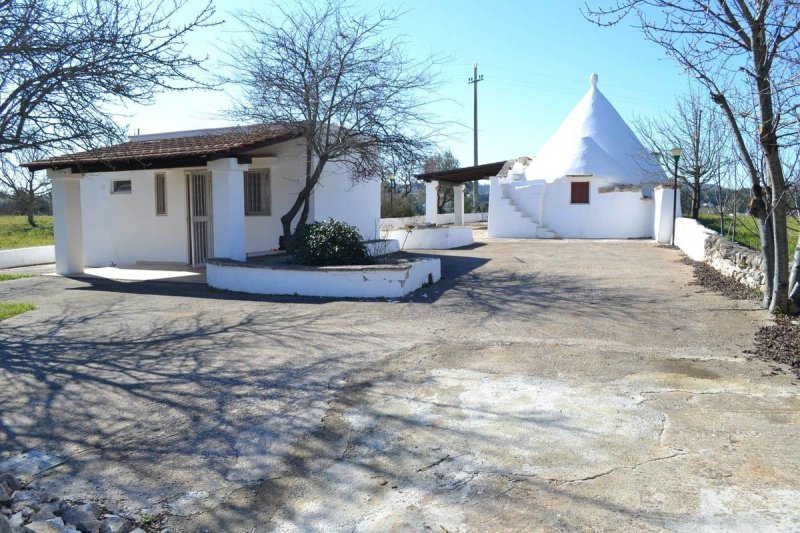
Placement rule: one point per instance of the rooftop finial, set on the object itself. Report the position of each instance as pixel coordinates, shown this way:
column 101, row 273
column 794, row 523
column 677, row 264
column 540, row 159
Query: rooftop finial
column 593, row 80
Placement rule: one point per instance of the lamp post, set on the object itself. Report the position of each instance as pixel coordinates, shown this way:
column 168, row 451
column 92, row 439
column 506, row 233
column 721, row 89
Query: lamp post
column 392, row 187
column 676, row 155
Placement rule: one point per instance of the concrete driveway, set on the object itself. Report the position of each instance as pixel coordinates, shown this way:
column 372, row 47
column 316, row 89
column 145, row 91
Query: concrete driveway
column 542, row 385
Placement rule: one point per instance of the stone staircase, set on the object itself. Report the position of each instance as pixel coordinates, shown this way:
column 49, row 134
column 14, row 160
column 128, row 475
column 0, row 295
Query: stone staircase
column 522, row 225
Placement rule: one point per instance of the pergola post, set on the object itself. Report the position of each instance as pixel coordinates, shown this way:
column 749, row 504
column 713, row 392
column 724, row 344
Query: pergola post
column 458, row 204
column 431, row 201
column 67, row 221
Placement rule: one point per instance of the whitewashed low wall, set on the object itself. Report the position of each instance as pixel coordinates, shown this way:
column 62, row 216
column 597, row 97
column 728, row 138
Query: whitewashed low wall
column 372, row 281
column 433, row 238
column 691, row 237
column 19, row 257
column 442, row 218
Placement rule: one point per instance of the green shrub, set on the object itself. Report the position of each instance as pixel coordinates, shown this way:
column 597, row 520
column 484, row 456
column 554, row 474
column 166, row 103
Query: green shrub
column 329, row 243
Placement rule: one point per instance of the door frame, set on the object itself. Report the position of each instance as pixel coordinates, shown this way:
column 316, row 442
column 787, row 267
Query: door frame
column 191, row 218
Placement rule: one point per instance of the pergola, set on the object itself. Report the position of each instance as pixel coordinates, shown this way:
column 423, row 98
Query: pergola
column 455, row 178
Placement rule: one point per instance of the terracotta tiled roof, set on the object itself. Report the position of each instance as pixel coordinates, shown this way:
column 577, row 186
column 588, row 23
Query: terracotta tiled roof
column 144, row 149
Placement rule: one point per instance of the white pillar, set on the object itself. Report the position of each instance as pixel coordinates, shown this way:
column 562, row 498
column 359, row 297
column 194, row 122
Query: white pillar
column 431, row 201
column 662, row 216
column 227, row 205
column 458, row 204
column 67, row 221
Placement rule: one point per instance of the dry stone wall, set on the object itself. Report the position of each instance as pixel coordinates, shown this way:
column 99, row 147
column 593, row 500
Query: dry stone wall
column 735, row 261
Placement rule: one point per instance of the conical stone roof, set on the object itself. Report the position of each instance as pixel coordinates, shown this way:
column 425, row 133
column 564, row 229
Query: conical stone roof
column 595, row 140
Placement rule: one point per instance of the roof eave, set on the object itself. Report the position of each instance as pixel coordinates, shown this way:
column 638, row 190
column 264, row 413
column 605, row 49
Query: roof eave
column 120, row 164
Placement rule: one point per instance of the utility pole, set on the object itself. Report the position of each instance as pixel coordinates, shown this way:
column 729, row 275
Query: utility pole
column 474, row 81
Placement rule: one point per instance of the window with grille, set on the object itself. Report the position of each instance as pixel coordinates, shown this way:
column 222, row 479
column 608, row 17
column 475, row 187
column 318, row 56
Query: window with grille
column 580, row 192
column 161, row 194
column 257, row 194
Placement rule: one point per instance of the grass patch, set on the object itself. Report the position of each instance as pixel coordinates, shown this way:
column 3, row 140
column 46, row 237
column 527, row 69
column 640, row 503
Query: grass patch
column 747, row 230
column 9, row 277
column 15, row 232
column 7, row 310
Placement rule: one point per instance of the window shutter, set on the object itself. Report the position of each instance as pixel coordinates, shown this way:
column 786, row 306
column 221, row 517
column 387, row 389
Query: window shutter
column 580, row 192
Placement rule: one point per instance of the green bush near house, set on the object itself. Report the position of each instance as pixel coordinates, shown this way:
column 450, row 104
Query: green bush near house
column 15, row 232
column 7, row 310
column 329, row 243
column 747, row 230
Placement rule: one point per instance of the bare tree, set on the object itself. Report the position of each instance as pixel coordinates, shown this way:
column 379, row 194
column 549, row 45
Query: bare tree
column 334, row 76
column 700, row 131
column 746, row 54
column 27, row 189
column 64, row 63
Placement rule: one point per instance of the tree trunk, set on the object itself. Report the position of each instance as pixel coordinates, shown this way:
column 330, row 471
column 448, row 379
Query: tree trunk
column 767, row 258
column 780, row 286
column 758, row 209
column 757, row 206
column 303, row 198
column 794, row 275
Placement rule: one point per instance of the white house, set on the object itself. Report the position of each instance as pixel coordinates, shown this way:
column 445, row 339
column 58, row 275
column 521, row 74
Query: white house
column 591, row 179
column 186, row 196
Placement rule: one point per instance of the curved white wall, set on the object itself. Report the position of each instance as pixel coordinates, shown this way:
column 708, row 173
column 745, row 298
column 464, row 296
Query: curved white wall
column 691, row 237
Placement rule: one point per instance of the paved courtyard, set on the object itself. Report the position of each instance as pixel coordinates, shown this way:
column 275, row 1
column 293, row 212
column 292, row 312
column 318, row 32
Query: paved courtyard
column 542, row 385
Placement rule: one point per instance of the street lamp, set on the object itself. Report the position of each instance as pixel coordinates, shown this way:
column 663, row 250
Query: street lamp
column 676, row 154
column 392, row 187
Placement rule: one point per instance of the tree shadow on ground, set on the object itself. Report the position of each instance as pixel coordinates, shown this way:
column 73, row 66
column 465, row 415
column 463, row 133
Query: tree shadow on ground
column 150, row 404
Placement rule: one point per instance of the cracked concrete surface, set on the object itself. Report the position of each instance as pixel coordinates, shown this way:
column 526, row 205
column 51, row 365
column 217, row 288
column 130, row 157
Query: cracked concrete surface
column 542, row 385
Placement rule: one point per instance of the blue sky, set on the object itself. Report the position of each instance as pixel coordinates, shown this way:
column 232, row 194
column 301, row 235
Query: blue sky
column 536, row 57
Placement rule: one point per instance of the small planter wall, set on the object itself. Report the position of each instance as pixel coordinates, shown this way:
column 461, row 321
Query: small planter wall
column 371, row 281
column 431, row 238
column 19, row 257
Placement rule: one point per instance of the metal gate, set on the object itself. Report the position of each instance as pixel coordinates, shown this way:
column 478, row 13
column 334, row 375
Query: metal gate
column 201, row 237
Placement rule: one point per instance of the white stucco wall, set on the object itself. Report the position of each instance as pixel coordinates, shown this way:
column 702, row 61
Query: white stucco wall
column 662, row 217
column 441, row 218
column 380, row 281
column 338, row 197
column 123, row 228
column 691, row 237
column 608, row 215
column 432, row 238
column 287, row 173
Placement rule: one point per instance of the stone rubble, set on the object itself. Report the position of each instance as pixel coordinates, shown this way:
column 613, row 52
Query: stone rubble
column 735, row 261
column 25, row 510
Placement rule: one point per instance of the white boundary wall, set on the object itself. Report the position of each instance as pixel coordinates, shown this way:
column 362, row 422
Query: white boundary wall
column 19, row 257
column 379, row 281
column 441, row 218
column 433, row 238
column 691, row 237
